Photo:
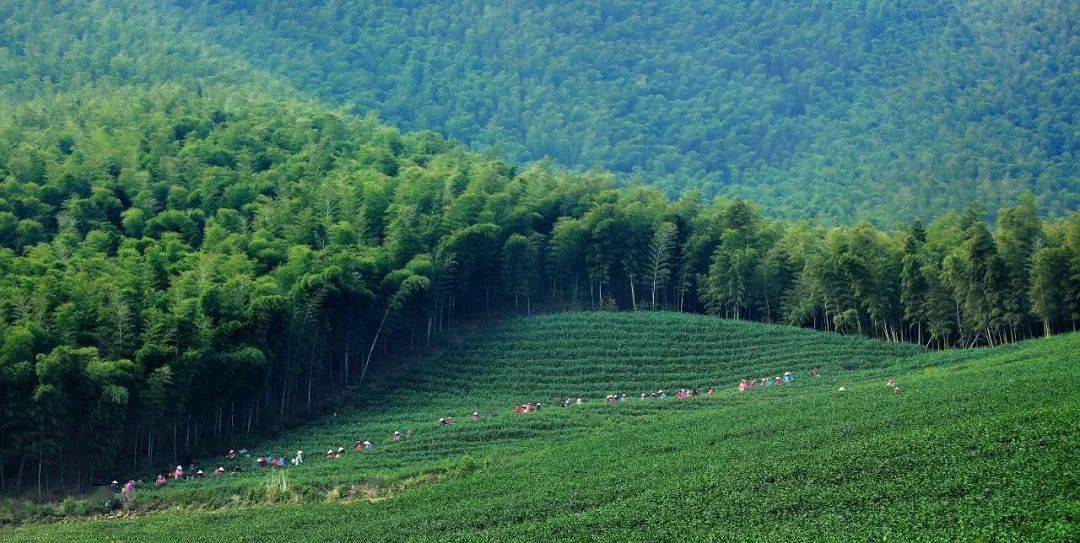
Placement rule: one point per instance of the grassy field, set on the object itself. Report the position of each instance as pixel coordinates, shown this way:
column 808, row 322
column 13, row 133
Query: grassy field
column 979, row 444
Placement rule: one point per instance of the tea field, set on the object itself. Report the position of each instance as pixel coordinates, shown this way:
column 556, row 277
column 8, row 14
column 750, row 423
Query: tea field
column 978, row 445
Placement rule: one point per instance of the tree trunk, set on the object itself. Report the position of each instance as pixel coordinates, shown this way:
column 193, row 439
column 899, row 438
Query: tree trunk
column 251, row 413
column 135, row 449
column 653, row 293
column 374, row 341
column 60, row 462
column 345, row 367
column 22, row 466
column 311, row 366
column 41, row 458
column 959, row 323
column 284, row 389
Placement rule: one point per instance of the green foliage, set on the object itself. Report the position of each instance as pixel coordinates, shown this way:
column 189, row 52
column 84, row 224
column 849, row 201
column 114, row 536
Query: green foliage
column 1050, row 285
column 192, row 251
column 660, row 252
column 253, row 268
column 519, row 262
column 885, row 111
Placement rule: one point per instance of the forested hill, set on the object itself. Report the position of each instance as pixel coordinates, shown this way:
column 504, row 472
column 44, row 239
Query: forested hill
column 881, row 110
column 67, row 45
column 179, row 262
column 186, row 240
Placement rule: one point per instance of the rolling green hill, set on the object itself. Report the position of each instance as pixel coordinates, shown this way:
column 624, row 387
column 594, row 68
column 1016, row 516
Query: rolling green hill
column 978, row 444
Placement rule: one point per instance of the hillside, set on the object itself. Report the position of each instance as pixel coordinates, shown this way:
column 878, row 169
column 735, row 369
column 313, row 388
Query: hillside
column 979, row 443
column 880, row 111
column 283, row 225
column 178, row 264
column 884, row 111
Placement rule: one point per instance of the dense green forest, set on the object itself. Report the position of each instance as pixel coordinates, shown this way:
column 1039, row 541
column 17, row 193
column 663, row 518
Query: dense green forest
column 192, row 247
column 181, row 266
column 881, row 110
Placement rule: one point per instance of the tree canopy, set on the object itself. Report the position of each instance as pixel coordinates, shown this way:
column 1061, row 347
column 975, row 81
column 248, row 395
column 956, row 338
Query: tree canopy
column 179, row 266
column 884, row 111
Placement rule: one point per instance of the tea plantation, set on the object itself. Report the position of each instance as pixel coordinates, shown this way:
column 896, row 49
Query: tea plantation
column 977, row 445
